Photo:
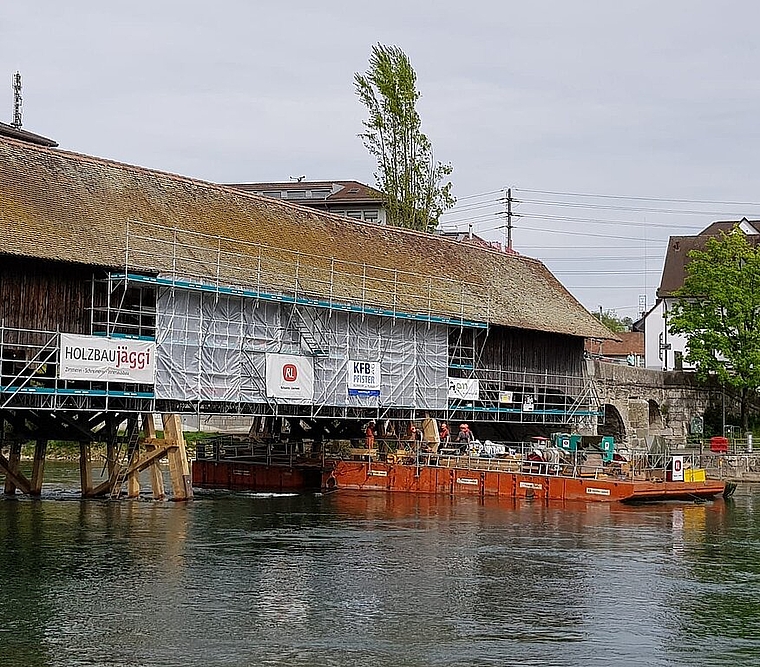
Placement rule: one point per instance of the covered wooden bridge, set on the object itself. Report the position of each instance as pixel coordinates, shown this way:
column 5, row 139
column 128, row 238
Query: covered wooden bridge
column 126, row 292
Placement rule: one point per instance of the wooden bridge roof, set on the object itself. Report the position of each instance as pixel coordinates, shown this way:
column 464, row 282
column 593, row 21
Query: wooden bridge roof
column 64, row 206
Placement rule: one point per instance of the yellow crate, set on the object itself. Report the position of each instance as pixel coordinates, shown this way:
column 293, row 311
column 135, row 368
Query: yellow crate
column 694, row 475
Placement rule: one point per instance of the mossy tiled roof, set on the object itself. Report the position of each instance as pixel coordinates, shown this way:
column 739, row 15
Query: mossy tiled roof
column 65, row 206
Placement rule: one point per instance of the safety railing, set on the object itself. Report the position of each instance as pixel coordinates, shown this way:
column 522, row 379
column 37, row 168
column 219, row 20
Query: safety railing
column 198, row 260
column 29, row 378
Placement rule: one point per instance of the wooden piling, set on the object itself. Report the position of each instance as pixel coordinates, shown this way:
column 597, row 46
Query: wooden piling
column 38, row 467
column 133, row 455
column 14, row 478
column 179, row 467
column 14, row 459
column 156, row 477
column 85, row 467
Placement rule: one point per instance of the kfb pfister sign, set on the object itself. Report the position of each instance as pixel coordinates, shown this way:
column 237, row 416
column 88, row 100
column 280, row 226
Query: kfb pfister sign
column 364, row 378
column 97, row 358
column 289, row 376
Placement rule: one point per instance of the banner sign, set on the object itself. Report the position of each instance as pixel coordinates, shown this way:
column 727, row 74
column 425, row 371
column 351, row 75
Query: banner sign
column 363, row 378
column 464, row 390
column 677, row 472
column 98, row 358
column 506, row 397
column 289, row 376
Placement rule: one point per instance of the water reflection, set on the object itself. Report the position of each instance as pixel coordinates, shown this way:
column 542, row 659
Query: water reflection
column 235, row 579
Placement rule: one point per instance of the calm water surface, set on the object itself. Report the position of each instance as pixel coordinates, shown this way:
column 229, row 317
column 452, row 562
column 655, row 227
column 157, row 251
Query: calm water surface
column 373, row 579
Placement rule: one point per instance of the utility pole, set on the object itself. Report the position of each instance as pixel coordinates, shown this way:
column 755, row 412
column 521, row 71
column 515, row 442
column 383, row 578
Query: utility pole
column 509, row 218
column 17, row 100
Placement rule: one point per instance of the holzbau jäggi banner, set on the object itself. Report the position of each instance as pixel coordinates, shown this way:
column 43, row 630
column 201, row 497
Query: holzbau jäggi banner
column 107, row 359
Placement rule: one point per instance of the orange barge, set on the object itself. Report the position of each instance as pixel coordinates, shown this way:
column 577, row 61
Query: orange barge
column 483, row 482
column 449, row 475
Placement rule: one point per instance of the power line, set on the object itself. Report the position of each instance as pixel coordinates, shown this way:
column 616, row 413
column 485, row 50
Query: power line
column 480, row 194
column 637, row 198
column 583, row 272
column 474, row 206
column 598, row 221
column 602, row 258
column 638, row 209
column 571, row 233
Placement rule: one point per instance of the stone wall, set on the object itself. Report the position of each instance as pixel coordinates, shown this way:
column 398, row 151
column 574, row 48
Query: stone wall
column 650, row 402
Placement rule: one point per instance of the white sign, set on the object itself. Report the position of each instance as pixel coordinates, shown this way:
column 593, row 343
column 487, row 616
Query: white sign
column 289, row 376
column 363, row 378
column 506, row 397
column 531, row 485
column 464, row 390
column 677, row 475
column 528, row 404
column 107, row 359
column 467, row 480
column 597, row 492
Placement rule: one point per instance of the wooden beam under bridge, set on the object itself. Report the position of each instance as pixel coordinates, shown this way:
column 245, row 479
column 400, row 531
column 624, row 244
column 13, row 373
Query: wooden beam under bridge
column 14, row 478
column 159, row 450
column 42, row 426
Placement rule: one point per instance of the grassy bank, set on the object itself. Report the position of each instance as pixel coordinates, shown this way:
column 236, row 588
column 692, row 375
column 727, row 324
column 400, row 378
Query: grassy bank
column 62, row 450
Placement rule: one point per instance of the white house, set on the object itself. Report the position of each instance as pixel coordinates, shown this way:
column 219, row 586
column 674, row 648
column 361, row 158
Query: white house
column 664, row 350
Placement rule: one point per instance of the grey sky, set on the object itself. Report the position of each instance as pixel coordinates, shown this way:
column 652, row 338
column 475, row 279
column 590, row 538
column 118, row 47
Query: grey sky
column 653, row 99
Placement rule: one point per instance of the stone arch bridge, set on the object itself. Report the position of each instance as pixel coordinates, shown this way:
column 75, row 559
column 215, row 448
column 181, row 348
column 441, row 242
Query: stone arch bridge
column 639, row 402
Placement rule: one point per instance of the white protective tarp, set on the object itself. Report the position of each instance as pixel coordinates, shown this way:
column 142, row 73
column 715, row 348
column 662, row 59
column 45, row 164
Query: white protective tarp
column 215, row 348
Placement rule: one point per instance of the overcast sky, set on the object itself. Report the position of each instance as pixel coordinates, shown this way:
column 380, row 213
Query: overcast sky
column 652, row 99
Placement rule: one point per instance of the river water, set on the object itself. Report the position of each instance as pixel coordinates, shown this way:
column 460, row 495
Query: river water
column 374, row 579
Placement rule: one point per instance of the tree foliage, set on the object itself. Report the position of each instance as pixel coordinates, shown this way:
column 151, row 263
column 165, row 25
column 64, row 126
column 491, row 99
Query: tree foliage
column 614, row 323
column 719, row 312
column 407, row 173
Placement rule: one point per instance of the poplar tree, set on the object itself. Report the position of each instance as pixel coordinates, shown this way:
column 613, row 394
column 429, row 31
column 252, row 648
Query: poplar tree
column 407, row 174
column 719, row 311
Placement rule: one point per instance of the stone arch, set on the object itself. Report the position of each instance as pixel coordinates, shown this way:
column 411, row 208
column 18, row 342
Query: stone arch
column 614, row 424
column 655, row 415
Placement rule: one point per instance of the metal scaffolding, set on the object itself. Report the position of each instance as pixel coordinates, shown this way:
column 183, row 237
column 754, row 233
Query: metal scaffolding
column 225, row 305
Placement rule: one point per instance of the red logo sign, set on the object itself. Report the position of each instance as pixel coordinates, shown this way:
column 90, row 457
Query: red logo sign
column 289, row 373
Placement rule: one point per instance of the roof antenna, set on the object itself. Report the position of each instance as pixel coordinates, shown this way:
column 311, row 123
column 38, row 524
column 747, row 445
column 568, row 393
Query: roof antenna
column 298, row 179
column 17, row 100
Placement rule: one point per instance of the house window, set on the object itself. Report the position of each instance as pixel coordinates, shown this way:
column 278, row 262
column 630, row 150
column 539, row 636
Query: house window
column 356, row 215
column 273, row 193
column 371, row 215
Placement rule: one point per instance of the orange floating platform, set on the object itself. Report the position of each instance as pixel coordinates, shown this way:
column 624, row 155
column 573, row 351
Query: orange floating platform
column 451, row 479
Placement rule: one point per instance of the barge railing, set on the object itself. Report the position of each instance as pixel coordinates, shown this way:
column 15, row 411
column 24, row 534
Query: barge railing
column 516, row 458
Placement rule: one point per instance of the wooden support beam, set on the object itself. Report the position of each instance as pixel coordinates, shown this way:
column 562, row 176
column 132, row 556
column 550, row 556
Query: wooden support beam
column 38, row 468
column 13, row 475
column 85, row 468
column 133, row 454
column 150, row 458
column 111, row 456
column 137, row 467
column 179, row 467
column 156, row 477
column 12, row 472
column 76, row 429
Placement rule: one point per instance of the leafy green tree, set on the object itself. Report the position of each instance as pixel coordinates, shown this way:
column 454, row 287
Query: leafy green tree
column 719, row 311
column 407, row 174
column 614, row 323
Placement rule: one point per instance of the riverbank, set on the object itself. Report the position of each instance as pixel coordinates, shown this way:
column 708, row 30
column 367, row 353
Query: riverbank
column 60, row 450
